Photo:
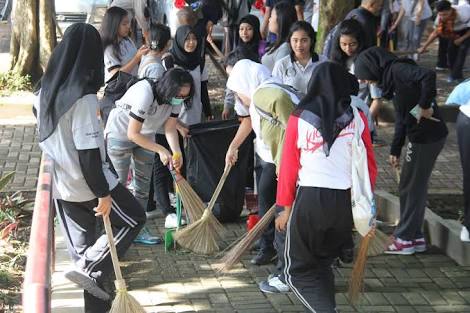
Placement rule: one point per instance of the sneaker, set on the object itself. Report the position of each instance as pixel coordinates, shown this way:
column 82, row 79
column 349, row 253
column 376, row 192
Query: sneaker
column 415, row 57
column 264, row 257
column 399, row 246
column 146, row 238
column 171, row 221
column 273, row 285
column 152, row 214
column 86, row 282
column 420, row 245
column 438, row 68
column 464, row 235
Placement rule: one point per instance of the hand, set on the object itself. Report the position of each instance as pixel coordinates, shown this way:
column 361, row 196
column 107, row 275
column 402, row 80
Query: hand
column 210, row 117
column 394, row 161
column 392, row 29
column 104, row 206
column 375, row 107
column 418, row 21
column 281, row 221
column 225, row 114
column 210, row 39
column 142, row 51
column 184, row 131
column 425, row 113
column 458, row 41
column 421, row 50
column 232, row 156
column 177, row 161
column 165, row 156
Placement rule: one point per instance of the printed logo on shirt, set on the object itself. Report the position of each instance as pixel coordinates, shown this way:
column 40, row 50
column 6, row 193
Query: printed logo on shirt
column 314, row 139
column 141, row 112
column 95, row 134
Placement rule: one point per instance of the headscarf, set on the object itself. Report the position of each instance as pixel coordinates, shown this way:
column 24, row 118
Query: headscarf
column 375, row 64
column 75, row 69
column 329, row 97
column 253, row 44
column 187, row 60
column 246, row 76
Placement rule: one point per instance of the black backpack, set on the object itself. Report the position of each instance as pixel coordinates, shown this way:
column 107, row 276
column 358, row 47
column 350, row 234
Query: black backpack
column 119, row 84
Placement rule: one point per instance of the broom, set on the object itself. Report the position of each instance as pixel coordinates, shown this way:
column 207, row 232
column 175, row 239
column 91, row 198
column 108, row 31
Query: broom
column 201, row 236
column 234, row 255
column 192, row 204
column 356, row 282
column 123, row 302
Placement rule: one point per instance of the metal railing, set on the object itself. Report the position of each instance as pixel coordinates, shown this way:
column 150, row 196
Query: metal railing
column 40, row 262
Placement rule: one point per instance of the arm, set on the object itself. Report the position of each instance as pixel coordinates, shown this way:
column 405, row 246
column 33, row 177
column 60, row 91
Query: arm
column 229, row 103
column 133, row 133
column 419, row 11
column 171, row 135
column 401, row 13
column 129, row 66
column 461, row 39
column 371, row 163
column 299, row 9
column 430, row 39
column 243, row 131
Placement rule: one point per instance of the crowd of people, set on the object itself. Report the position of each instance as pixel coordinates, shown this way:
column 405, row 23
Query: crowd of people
column 304, row 109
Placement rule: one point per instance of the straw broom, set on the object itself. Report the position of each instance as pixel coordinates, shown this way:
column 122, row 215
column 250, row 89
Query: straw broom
column 192, row 204
column 234, row 255
column 201, row 236
column 123, row 302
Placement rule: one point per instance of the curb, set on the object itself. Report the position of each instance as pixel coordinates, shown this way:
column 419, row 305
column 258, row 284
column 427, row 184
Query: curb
column 441, row 233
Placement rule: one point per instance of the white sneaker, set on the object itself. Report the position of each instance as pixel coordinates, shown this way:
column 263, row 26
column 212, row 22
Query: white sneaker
column 171, row 221
column 464, row 235
column 273, row 285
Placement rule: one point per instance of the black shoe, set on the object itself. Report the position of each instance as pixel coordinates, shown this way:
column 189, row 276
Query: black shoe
column 264, row 257
column 347, row 255
column 256, row 246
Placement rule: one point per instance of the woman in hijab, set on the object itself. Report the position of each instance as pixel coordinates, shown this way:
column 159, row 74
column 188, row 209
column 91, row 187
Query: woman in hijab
column 315, row 172
column 256, row 91
column 249, row 35
column 84, row 184
column 185, row 54
column 417, row 117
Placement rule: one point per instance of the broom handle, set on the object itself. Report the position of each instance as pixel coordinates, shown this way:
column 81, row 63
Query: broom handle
column 219, row 187
column 112, row 247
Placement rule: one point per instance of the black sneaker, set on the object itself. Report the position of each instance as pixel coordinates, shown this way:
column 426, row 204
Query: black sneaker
column 347, row 255
column 86, row 282
column 264, row 257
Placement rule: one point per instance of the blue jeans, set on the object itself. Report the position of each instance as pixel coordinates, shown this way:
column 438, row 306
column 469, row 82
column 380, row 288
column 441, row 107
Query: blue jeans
column 122, row 153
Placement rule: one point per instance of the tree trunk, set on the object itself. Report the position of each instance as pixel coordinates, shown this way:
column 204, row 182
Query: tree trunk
column 33, row 36
column 331, row 13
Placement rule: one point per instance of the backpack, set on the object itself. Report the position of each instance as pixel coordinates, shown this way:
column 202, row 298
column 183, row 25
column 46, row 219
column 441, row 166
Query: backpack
column 329, row 41
column 119, row 84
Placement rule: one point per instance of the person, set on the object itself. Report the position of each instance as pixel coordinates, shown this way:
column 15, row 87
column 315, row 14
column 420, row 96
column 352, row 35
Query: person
column 463, row 131
column 452, row 26
column 137, row 11
column 131, row 130
column 368, row 15
column 270, row 6
column 249, row 35
column 236, row 10
column 281, row 19
column 296, row 68
column 417, row 14
column 85, row 186
column 348, row 43
column 257, row 91
column 233, row 57
column 185, row 54
column 413, row 89
column 314, row 187
column 159, row 42
column 460, row 95
column 120, row 52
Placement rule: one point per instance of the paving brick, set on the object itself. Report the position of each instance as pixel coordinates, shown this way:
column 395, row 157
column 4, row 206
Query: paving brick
column 434, row 297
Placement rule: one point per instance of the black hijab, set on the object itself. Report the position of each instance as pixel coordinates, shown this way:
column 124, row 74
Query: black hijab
column 376, row 64
column 75, row 69
column 329, row 97
column 253, row 44
column 187, row 60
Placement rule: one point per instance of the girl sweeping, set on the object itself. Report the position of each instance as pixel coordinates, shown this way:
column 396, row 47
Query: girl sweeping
column 413, row 89
column 85, row 186
column 315, row 172
column 146, row 109
column 296, row 68
column 257, row 92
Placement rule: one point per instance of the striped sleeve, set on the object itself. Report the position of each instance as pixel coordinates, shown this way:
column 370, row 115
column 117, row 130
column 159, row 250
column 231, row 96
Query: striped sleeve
column 290, row 165
column 371, row 164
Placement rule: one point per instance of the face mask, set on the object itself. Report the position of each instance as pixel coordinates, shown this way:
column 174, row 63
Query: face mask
column 176, row 101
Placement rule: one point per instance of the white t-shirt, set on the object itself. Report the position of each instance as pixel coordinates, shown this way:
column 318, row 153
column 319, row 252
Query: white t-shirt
column 78, row 129
column 269, row 59
column 410, row 12
column 193, row 115
column 294, row 73
column 465, row 109
column 151, row 67
column 138, row 103
column 462, row 20
column 111, row 61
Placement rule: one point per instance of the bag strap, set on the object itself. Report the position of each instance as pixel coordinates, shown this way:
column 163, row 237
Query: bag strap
column 268, row 116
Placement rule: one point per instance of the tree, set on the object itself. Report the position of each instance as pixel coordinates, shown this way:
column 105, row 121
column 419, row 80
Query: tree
column 33, row 36
column 331, row 12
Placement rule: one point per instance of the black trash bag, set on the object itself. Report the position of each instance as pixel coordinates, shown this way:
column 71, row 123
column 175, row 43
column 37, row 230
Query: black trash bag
column 205, row 162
